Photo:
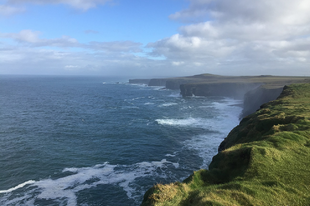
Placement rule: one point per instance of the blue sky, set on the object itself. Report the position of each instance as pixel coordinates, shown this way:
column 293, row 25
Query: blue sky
column 140, row 20
column 144, row 38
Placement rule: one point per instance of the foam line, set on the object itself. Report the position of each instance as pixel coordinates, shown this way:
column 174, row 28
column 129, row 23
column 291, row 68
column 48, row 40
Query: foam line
column 63, row 190
column 18, row 186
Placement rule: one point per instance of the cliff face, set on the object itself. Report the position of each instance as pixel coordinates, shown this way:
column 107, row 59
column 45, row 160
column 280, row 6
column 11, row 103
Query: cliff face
column 256, row 97
column 157, row 82
column 233, row 90
column 265, row 160
column 174, row 84
column 139, row 81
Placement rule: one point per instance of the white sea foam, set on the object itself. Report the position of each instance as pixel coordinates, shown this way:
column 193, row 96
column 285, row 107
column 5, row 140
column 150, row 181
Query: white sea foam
column 157, row 87
column 63, row 190
column 148, row 103
column 227, row 118
column 168, row 104
column 175, row 95
column 130, row 107
column 205, row 146
column 189, row 122
column 29, row 182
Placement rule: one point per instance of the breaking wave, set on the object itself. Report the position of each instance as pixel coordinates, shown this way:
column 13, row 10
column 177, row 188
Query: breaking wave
column 63, row 190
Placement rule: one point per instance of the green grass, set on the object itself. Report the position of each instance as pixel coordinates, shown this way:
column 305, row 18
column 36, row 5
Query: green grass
column 265, row 161
column 269, row 81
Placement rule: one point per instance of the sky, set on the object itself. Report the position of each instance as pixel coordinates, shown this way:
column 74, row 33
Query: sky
column 155, row 38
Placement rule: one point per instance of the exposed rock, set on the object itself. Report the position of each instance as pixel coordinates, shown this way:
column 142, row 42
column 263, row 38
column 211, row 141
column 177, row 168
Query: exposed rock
column 256, row 97
column 157, row 82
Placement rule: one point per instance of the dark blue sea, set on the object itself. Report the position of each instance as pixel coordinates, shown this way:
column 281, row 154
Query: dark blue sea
column 101, row 141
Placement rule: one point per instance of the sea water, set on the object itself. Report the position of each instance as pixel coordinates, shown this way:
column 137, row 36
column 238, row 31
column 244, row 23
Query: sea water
column 101, row 141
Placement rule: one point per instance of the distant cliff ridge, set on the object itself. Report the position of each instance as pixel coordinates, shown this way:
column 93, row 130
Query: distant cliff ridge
column 157, row 82
column 139, row 81
column 253, row 90
column 235, row 90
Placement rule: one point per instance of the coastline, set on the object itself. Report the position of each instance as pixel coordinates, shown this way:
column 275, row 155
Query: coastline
column 254, row 160
column 253, row 90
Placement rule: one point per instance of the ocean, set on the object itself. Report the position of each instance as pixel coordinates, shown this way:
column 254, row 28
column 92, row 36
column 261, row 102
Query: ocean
column 101, row 141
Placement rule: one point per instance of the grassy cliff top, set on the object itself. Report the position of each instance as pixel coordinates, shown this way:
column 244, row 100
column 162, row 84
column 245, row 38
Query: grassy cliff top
column 272, row 81
column 265, row 160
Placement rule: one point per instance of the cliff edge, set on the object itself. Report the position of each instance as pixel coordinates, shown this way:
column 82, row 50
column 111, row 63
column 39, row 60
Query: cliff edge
column 265, row 160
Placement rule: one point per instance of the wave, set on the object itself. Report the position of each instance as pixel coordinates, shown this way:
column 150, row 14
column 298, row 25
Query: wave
column 175, row 95
column 224, row 119
column 63, row 190
column 205, row 146
column 149, row 103
column 211, row 124
column 18, row 186
column 196, row 122
column 168, row 104
column 157, row 87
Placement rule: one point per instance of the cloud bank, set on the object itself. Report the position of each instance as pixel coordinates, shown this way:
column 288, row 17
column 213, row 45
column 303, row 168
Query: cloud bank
column 218, row 36
column 242, row 35
column 6, row 10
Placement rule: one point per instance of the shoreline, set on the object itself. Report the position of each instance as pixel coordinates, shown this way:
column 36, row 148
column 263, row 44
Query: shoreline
column 253, row 160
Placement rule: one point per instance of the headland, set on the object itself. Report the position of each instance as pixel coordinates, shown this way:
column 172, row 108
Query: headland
column 265, row 160
column 253, row 90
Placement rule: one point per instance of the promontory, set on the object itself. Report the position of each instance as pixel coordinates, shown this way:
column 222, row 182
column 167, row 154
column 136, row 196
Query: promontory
column 265, row 160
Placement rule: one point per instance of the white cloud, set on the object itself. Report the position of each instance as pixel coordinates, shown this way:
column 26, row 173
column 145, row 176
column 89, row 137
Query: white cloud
column 32, row 38
column 224, row 34
column 6, row 10
column 177, row 63
column 46, row 61
column 116, row 46
column 221, row 36
column 31, row 54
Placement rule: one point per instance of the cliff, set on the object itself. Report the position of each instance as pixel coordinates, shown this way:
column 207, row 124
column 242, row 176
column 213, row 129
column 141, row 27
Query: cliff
column 265, row 160
column 157, row 82
column 253, row 90
column 174, row 83
column 235, row 86
column 228, row 89
column 253, row 99
column 139, row 81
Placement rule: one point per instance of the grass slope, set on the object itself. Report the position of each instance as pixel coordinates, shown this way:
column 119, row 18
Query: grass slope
column 265, row 160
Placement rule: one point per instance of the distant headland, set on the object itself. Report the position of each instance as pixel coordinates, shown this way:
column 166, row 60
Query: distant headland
column 253, row 90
